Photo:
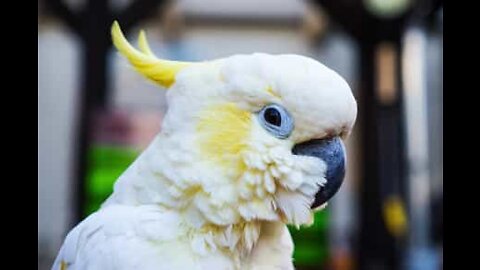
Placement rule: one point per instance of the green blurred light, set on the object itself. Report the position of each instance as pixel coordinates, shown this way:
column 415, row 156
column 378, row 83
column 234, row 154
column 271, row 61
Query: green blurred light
column 387, row 8
column 311, row 245
column 105, row 165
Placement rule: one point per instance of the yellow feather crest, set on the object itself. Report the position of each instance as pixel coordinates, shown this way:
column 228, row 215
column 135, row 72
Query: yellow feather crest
column 144, row 61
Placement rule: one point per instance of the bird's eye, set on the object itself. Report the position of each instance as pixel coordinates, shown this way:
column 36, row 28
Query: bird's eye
column 276, row 120
column 273, row 116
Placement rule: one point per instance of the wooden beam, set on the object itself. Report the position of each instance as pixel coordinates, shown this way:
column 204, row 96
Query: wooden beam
column 92, row 24
column 63, row 12
column 138, row 10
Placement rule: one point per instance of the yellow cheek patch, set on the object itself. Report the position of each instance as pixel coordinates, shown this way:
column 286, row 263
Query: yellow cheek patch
column 223, row 131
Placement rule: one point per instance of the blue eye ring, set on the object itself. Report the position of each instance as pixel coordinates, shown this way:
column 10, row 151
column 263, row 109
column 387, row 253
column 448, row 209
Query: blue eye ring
column 276, row 120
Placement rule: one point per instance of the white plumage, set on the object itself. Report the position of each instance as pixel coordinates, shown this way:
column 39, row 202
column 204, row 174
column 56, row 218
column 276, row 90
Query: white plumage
column 215, row 190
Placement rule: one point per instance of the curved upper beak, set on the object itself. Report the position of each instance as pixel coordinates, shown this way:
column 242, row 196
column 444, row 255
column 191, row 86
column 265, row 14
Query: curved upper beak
column 332, row 152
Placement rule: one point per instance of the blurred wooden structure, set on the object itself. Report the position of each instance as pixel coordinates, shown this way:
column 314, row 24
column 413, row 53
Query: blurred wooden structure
column 381, row 118
column 92, row 25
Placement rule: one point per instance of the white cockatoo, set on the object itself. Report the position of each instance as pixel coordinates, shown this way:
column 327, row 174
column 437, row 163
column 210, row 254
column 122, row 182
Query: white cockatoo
column 249, row 144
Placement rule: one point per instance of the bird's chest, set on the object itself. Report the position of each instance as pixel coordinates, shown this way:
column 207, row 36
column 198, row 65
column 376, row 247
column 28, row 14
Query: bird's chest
column 273, row 250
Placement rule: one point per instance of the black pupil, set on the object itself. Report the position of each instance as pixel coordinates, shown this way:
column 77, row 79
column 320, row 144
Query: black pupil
column 273, row 117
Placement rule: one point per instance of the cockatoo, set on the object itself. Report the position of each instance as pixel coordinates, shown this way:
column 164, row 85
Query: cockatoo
column 249, row 144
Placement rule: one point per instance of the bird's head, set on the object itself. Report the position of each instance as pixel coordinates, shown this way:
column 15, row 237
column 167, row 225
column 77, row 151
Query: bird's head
column 250, row 137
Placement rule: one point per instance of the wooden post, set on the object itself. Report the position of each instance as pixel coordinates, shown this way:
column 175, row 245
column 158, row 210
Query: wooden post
column 380, row 242
column 92, row 25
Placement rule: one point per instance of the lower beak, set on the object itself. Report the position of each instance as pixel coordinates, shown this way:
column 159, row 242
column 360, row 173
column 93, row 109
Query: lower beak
column 332, row 152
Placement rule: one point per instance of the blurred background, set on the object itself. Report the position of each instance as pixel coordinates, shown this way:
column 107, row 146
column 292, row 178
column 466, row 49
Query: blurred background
column 95, row 115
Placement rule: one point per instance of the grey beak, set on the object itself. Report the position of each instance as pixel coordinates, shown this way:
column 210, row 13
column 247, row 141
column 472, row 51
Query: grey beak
column 332, row 152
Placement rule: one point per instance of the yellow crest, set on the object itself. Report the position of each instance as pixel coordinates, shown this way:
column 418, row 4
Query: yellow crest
column 144, row 61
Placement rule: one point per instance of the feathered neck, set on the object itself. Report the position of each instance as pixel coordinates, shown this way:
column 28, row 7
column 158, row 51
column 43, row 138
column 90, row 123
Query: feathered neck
column 152, row 179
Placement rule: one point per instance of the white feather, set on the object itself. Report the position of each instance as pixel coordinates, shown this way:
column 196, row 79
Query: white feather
column 176, row 208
